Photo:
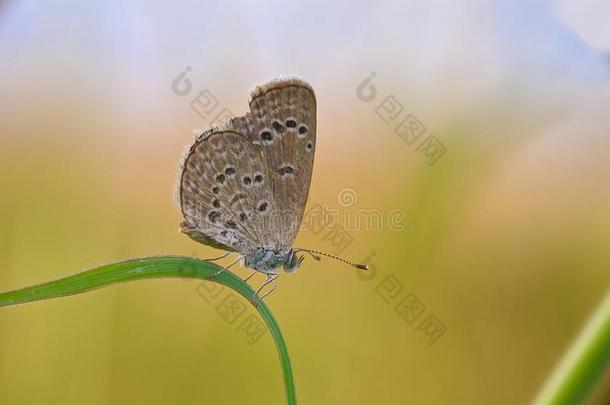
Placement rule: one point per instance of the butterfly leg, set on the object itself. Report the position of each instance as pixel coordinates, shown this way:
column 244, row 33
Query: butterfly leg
column 270, row 279
column 213, row 259
column 226, row 268
column 274, row 286
column 250, row 276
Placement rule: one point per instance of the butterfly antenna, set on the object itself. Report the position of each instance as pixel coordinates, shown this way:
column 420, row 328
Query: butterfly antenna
column 316, row 255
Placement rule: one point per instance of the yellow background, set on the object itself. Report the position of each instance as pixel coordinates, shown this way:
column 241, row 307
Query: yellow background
column 509, row 250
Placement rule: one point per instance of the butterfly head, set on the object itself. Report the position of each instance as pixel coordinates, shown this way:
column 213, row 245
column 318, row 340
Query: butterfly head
column 269, row 260
column 293, row 262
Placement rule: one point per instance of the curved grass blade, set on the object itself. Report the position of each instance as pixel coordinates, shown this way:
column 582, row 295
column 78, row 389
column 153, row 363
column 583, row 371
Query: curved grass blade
column 157, row 267
column 583, row 364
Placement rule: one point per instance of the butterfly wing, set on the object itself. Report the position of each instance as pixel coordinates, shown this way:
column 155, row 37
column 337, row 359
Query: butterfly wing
column 244, row 185
column 216, row 190
column 282, row 120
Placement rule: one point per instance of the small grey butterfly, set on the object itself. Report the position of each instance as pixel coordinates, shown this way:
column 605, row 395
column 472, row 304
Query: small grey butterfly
column 243, row 184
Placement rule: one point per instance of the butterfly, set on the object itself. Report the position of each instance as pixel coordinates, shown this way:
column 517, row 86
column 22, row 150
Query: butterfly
column 243, row 184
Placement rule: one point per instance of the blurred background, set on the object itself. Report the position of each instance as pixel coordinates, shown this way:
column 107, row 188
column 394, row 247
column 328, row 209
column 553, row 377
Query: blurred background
column 462, row 152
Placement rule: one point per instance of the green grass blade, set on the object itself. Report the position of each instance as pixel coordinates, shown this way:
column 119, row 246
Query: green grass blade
column 583, row 364
column 157, row 267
